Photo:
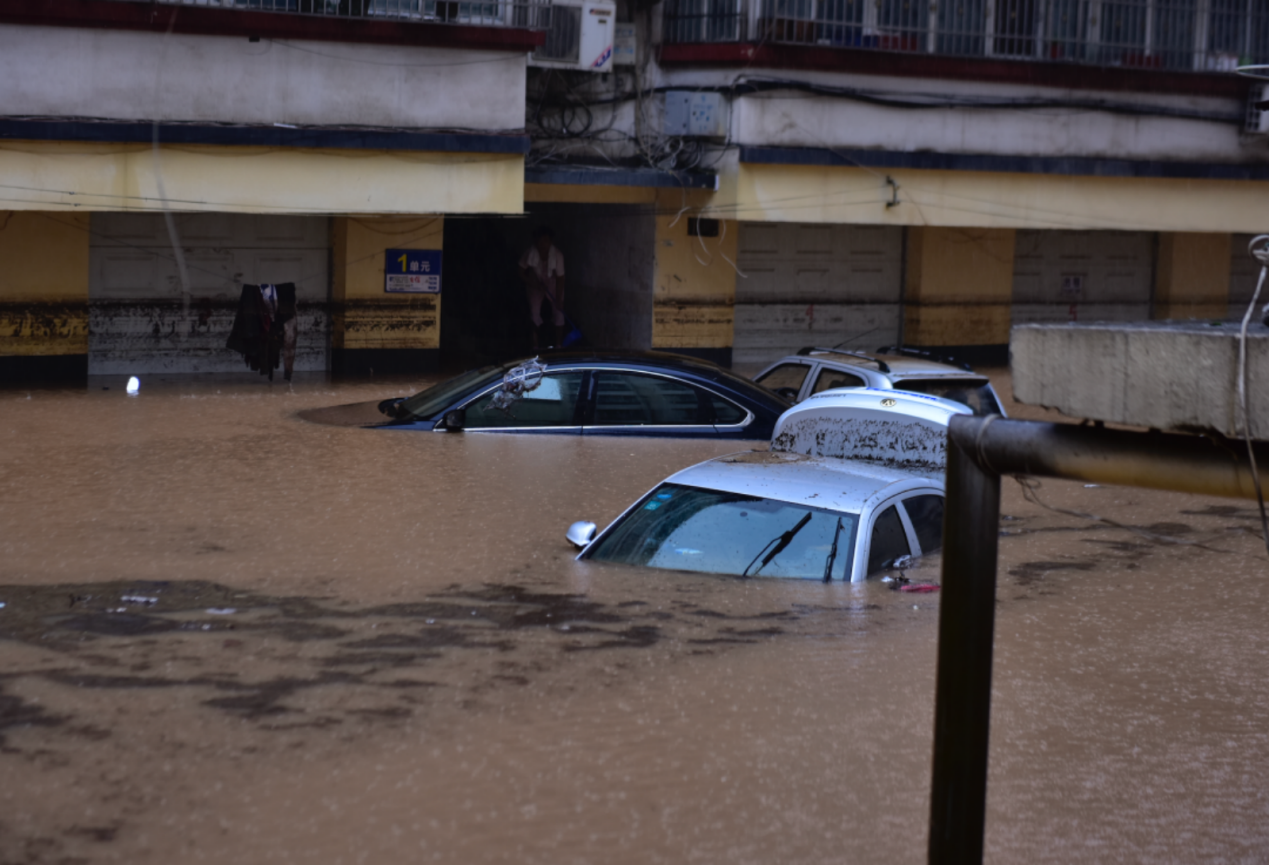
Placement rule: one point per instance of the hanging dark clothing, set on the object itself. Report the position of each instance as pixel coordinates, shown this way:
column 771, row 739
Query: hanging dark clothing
column 265, row 326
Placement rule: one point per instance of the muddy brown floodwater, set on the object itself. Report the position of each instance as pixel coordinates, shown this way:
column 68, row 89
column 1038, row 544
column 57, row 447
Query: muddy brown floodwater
column 232, row 635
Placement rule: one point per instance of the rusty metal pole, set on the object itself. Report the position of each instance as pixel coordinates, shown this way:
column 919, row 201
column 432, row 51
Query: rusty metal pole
column 979, row 451
column 962, row 704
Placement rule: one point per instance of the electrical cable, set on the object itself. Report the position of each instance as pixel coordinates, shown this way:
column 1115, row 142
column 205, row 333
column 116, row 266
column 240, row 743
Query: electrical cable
column 178, row 251
column 1261, row 254
column 1030, row 486
column 748, row 86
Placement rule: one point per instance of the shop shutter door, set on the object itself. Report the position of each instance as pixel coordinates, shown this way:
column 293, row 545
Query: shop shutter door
column 137, row 321
column 814, row 284
column 1082, row 276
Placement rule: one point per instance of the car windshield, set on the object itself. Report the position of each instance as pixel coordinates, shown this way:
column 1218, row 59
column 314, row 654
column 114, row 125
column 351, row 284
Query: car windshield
column 691, row 529
column 427, row 403
column 975, row 393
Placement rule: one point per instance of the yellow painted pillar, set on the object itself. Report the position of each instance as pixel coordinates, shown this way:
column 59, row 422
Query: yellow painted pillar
column 43, row 295
column 694, row 285
column 959, row 286
column 1192, row 275
column 373, row 329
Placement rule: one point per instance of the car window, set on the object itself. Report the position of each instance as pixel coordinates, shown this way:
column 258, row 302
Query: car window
column 691, row 529
column 974, row 393
column 552, row 403
column 631, row 399
column 830, row 378
column 440, row 397
column 786, row 375
column 726, row 412
column 926, row 515
column 889, row 541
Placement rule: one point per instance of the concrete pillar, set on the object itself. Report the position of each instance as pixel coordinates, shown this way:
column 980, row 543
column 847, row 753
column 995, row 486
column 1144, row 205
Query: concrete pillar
column 694, row 284
column 373, row 329
column 958, row 291
column 1192, row 276
column 43, row 295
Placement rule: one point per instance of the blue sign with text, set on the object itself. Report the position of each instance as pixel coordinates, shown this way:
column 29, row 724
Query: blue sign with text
column 416, row 271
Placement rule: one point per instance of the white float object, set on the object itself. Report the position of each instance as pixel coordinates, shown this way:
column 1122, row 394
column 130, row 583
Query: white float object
column 134, row 386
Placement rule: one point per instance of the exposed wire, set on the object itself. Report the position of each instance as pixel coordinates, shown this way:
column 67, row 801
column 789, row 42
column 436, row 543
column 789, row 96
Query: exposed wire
column 1030, row 487
column 744, row 85
column 181, row 271
column 1259, row 249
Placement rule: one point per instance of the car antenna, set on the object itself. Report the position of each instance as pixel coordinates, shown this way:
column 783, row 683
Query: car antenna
column 856, row 336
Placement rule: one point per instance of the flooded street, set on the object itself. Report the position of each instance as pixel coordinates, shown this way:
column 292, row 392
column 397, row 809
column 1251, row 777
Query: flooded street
column 230, row 634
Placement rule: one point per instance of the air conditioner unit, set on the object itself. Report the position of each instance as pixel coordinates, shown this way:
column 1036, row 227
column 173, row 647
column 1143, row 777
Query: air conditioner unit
column 581, row 36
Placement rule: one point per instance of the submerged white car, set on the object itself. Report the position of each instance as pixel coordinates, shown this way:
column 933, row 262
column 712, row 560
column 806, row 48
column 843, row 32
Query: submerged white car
column 815, row 370
column 852, row 483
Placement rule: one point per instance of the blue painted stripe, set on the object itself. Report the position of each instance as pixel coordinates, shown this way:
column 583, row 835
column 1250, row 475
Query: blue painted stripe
column 596, row 176
column 262, row 136
column 1064, row 165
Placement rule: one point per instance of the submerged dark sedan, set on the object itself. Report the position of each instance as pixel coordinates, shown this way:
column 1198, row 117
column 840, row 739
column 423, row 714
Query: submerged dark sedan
column 575, row 393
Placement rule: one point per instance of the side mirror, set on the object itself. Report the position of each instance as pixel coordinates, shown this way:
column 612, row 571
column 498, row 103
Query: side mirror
column 581, row 533
column 455, row 420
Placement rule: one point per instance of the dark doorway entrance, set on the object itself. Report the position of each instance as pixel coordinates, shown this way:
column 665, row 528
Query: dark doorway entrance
column 484, row 314
column 609, row 258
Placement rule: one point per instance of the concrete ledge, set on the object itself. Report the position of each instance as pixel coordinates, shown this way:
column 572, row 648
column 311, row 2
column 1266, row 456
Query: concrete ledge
column 1166, row 375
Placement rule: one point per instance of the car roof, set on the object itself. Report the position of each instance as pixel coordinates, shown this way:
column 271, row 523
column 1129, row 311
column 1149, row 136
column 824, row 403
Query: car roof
column 889, row 427
column 820, row 482
column 683, row 365
column 664, row 359
column 901, row 367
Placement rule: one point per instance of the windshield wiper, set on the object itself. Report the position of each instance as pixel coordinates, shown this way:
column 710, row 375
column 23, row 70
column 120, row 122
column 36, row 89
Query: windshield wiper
column 832, row 553
column 780, row 543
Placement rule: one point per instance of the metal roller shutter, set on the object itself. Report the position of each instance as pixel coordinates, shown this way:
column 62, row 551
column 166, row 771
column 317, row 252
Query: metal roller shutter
column 1244, row 271
column 813, row 284
column 1082, row 276
column 137, row 321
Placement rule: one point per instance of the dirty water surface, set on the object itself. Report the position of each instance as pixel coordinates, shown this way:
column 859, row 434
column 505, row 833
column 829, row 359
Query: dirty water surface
column 230, row 634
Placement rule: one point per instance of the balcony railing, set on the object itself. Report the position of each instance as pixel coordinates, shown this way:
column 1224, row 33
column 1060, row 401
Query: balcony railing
column 525, row 14
column 1195, row 35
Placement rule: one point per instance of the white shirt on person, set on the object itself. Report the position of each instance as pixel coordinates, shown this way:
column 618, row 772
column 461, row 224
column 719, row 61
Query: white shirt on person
column 547, row 271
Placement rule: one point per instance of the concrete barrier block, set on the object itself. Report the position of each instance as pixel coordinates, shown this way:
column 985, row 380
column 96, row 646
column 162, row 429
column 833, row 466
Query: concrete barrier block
column 1167, row 375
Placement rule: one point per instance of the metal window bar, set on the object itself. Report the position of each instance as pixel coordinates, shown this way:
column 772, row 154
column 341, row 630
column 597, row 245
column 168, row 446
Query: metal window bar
column 1195, row 35
column 562, row 42
column 705, row 21
column 523, row 14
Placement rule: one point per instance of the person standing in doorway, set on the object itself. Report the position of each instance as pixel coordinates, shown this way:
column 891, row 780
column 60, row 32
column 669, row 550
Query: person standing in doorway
column 542, row 272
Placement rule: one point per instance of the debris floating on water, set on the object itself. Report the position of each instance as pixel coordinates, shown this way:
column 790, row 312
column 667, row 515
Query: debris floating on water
column 138, row 599
column 134, row 386
column 921, row 588
column 222, row 611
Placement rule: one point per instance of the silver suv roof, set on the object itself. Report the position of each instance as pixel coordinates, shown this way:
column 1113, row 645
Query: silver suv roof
column 896, row 367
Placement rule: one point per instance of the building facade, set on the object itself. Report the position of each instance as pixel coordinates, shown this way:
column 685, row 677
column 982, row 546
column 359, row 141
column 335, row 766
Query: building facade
column 727, row 178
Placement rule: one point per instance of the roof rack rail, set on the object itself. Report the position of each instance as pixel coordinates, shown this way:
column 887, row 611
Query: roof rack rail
column 881, row 364
column 908, row 351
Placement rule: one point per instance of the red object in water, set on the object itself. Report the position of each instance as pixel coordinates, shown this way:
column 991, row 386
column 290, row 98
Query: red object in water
column 919, row 587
